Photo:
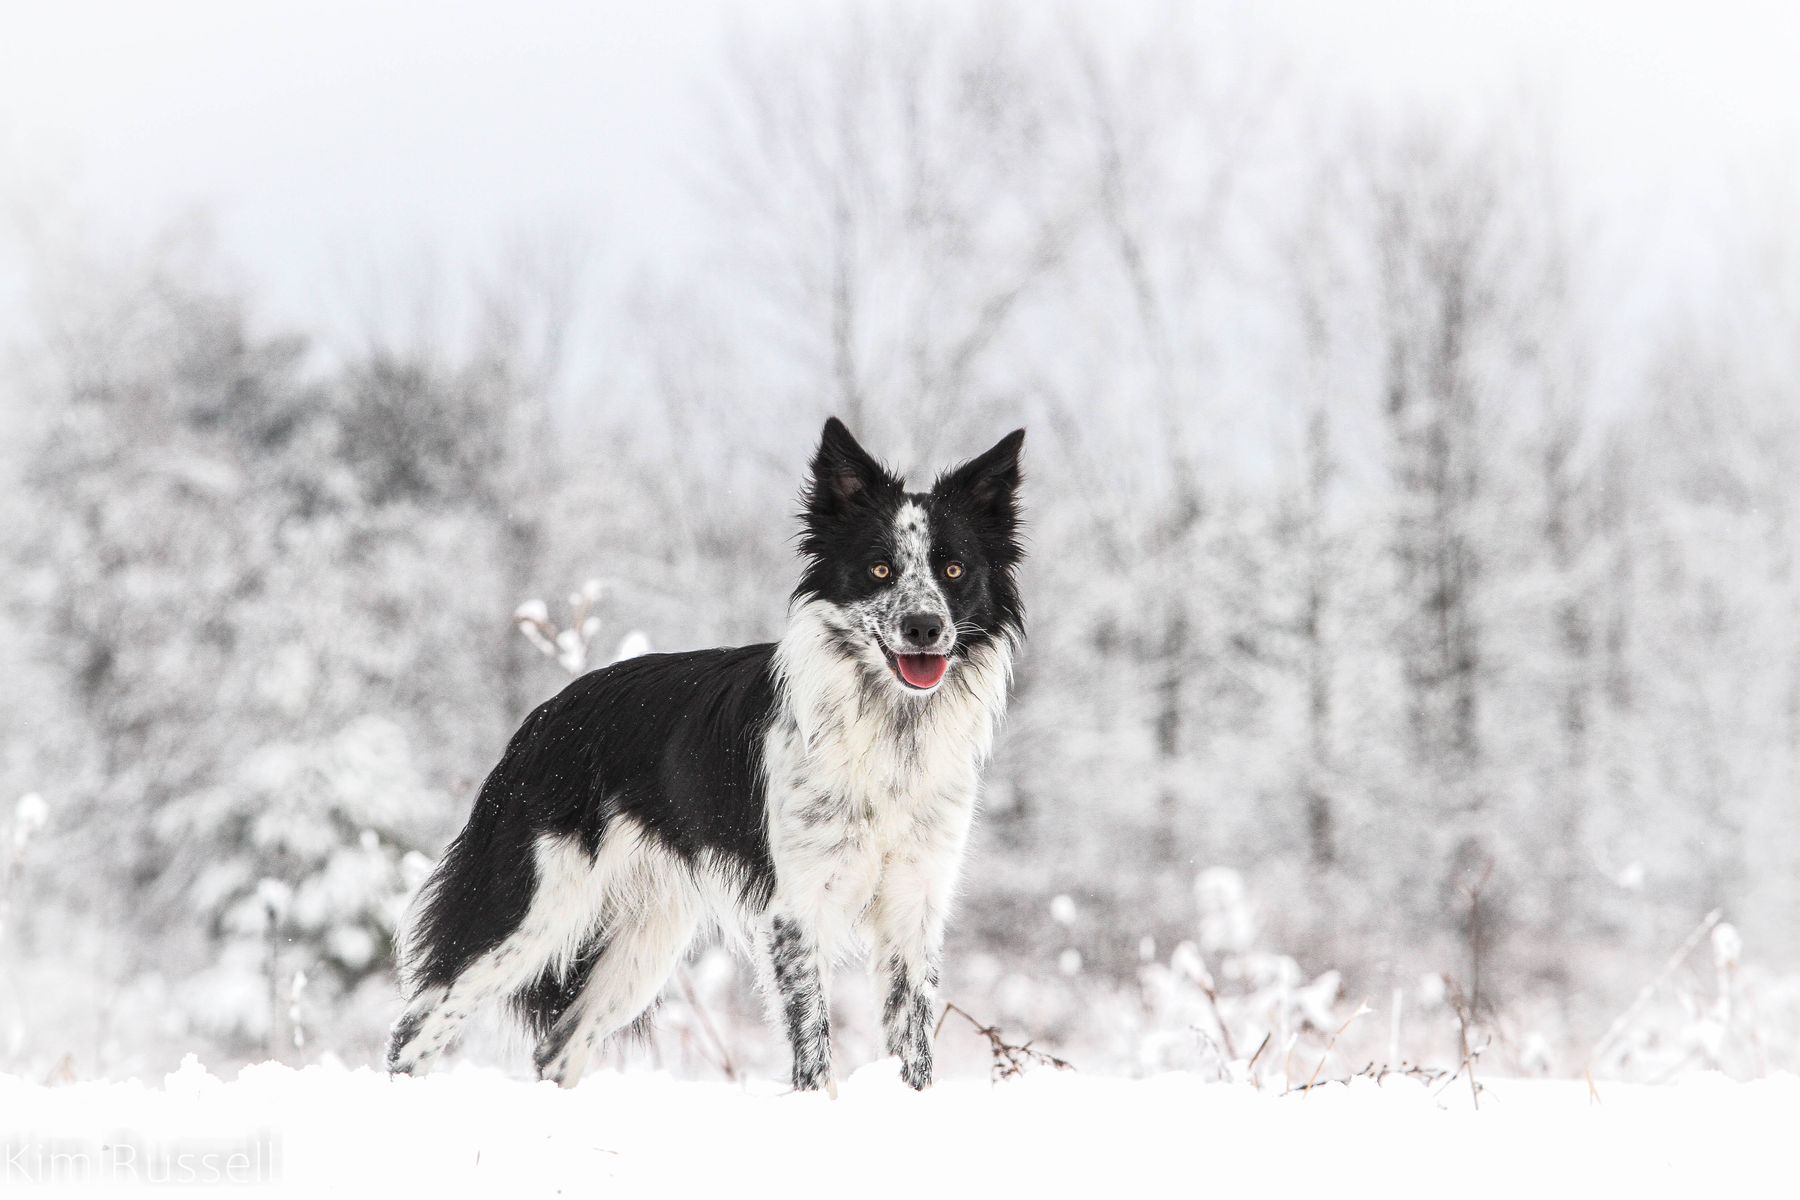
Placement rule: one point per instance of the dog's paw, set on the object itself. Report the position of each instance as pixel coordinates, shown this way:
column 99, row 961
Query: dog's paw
column 812, row 1078
column 562, row 1063
column 915, row 1065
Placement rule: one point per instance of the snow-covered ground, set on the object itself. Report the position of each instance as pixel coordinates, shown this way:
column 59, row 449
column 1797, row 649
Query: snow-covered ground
column 477, row 1130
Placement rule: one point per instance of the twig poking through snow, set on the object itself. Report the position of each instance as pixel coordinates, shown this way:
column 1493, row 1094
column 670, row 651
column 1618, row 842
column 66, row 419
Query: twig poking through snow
column 1464, row 1015
column 294, row 1015
column 1010, row 1061
column 1250, row 1067
column 1331, row 1043
column 1429, row 1077
column 1211, row 991
column 274, row 895
column 1645, row 994
column 704, row 1021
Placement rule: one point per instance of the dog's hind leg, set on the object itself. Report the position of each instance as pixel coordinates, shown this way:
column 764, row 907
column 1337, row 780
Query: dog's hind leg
column 642, row 946
column 563, row 908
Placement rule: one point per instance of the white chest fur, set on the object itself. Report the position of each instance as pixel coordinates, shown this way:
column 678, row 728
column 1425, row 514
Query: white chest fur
column 864, row 778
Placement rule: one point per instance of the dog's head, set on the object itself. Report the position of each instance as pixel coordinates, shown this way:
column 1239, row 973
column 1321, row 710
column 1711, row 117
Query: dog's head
column 916, row 581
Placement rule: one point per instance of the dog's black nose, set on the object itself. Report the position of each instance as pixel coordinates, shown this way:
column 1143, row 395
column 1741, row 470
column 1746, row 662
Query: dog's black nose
column 921, row 629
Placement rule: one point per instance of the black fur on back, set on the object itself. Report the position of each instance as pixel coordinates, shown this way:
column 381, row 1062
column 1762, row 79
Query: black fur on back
column 671, row 740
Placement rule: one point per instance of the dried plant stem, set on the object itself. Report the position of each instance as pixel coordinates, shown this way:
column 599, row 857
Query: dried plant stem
column 1009, row 1060
column 704, row 1021
column 1645, row 994
column 1331, row 1043
column 1250, row 1067
column 1424, row 1075
column 1463, row 1017
column 1212, row 998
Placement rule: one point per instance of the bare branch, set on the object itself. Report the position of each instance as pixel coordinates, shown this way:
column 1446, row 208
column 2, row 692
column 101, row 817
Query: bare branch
column 1010, row 1061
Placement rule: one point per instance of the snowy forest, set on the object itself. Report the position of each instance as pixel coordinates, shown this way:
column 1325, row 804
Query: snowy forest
column 1413, row 651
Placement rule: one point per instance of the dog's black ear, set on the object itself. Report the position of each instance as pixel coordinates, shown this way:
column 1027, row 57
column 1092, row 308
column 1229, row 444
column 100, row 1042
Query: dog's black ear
column 843, row 473
column 990, row 482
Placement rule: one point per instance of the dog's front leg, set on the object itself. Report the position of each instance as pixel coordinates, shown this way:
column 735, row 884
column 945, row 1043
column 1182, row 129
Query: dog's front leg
column 800, row 989
column 908, row 946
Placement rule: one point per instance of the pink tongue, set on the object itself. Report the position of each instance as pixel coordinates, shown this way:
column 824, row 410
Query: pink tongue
column 923, row 670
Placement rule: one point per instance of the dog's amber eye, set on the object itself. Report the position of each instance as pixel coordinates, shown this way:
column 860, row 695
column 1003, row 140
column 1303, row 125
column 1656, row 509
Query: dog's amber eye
column 953, row 570
column 881, row 570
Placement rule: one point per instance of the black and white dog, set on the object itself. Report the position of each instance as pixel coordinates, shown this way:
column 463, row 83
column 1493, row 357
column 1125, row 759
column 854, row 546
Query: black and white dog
column 814, row 794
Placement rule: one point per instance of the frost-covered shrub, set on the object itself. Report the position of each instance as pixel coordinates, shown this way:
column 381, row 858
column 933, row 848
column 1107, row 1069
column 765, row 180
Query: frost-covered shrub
column 312, row 850
column 1710, row 1011
column 1220, row 1001
column 1223, row 999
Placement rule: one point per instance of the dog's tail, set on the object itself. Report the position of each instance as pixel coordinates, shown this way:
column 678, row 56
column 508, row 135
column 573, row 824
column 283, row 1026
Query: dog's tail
column 477, row 895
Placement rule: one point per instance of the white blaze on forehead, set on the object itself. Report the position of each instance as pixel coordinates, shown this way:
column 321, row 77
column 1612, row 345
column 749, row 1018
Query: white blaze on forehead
column 912, row 540
column 918, row 590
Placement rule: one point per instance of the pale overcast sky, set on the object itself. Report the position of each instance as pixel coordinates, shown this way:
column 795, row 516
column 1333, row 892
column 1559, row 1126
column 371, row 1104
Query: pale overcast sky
column 325, row 135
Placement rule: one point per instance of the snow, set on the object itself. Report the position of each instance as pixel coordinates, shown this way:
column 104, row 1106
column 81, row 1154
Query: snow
column 252, row 575
column 29, row 816
column 1063, row 1133
column 632, row 645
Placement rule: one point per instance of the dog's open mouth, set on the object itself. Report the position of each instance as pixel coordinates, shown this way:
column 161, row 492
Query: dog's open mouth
column 920, row 671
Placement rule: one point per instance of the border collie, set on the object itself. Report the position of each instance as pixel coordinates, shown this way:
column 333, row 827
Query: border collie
column 813, row 795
